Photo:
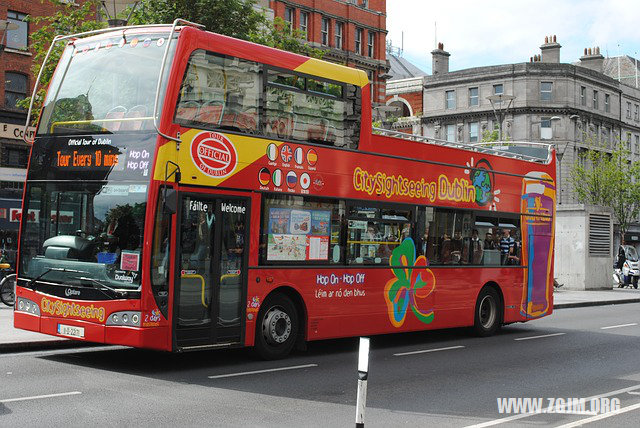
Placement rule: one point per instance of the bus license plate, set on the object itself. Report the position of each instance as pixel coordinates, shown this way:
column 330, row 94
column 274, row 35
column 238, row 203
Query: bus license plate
column 71, row 331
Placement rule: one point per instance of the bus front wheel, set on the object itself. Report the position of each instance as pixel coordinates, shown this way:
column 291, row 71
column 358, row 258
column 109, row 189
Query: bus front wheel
column 277, row 327
column 488, row 313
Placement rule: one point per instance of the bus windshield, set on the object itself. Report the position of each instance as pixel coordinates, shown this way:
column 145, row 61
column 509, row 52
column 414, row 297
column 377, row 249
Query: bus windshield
column 85, row 231
column 104, row 86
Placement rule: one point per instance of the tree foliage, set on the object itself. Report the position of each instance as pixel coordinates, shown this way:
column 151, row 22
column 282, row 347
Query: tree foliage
column 235, row 18
column 69, row 19
column 608, row 178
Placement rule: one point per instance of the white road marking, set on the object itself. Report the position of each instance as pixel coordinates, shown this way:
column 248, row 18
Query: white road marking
column 527, row 415
column 633, row 392
column 424, row 351
column 262, row 371
column 618, row 326
column 37, row 397
column 540, row 337
column 601, row 416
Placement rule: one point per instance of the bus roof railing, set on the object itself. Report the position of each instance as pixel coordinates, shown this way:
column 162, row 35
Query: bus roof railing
column 477, row 147
column 58, row 38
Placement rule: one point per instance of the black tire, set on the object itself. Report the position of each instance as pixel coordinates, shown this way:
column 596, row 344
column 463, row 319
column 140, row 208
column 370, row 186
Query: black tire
column 635, row 282
column 8, row 290
column 276, row 327
column 488, row 313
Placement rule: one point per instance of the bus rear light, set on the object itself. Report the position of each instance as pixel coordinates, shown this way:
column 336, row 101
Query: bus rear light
column 128, row 318
column 28, row 306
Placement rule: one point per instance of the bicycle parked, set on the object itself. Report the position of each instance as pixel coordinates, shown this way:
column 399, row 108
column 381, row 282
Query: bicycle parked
column 7, row 285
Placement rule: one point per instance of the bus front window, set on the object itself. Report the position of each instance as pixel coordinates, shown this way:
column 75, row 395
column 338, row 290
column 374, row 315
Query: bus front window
column 92, row 230
column 104, row 85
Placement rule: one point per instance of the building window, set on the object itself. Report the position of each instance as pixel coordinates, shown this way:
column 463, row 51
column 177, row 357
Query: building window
column 15, row 156
column 365, row 3
column 595, row 100
column 498, row 89
column 325, row 31
column 358, row 48
column 15, row 89
column 450, row 99
column 339, row 27
column 628, row 110
column 583, row 95
column 636, row 115
column 289, row 17
column 18, row 38
column 473, row 97
column 545, row 91
column 371, row 44
column 545, row 128
column 637, row 144
column 607, row 104
column 473, row 132
column 629, row 141
column 304, row 23
column 451, row 133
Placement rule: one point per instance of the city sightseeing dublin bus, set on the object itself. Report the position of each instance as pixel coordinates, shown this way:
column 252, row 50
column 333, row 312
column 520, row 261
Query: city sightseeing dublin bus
column 188, row 190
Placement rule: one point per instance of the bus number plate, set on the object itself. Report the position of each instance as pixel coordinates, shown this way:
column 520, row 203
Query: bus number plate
column 71, row 331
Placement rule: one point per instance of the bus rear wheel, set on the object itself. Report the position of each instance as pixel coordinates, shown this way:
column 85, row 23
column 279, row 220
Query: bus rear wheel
column 488, row 313
column 276, row 328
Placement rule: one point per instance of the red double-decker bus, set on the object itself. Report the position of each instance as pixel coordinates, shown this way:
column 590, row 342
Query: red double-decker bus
column 188, row 190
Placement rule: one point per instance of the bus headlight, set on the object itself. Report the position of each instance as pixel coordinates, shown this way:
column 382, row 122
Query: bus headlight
column 27, row 306
column 128, row 318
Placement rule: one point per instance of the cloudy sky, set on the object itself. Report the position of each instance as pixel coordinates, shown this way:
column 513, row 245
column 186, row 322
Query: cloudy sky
column 499, row 32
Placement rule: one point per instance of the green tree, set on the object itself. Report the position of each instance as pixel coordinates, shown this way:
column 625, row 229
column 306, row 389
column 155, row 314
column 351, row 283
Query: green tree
column 69, row 19
column 235, row 18
column 608, row 178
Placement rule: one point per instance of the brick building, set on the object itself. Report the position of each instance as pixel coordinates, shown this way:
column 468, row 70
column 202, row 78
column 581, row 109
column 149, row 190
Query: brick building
column 16, row 59
column 352, row 32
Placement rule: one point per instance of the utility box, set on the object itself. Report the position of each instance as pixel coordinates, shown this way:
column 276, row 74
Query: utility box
column 584, row 239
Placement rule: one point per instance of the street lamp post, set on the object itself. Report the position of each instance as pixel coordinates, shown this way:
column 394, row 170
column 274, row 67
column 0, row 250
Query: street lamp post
column 497, row 101
column 112, row 19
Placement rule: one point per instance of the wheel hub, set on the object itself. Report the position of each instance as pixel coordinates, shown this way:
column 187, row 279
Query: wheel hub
column 276, row 326
column 487, row 312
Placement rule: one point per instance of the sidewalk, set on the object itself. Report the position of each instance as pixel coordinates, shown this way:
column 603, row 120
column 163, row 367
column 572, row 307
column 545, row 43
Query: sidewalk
column 12, row 340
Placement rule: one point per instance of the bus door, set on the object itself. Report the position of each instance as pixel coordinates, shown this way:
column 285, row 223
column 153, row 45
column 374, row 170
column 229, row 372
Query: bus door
column 211, row 270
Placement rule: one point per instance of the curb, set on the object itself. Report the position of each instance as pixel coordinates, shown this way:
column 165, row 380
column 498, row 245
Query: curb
column 595, row 303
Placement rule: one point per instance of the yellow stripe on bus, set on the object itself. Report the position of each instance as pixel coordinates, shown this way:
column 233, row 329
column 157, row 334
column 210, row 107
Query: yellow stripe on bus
column 331, row 71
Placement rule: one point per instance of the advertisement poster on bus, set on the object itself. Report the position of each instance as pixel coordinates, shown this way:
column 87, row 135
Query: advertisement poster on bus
column 298, row 235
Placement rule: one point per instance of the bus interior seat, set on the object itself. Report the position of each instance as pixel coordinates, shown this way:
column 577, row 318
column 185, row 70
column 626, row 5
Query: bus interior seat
column 113, row 124
column 188, row 110
column 59, row 253
column 138, row 111
column 210, row 112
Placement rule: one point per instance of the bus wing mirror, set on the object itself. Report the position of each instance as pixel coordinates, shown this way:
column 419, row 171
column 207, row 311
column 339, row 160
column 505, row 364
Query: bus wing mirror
column 169, row 201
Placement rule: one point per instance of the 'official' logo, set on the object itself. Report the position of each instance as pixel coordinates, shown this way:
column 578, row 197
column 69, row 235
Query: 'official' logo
column 213, row 154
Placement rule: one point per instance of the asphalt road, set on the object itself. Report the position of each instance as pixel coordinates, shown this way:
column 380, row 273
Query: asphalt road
column 445, row 378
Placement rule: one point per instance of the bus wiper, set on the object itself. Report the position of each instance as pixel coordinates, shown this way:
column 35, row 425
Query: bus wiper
column 101, row 284
column 52, row 269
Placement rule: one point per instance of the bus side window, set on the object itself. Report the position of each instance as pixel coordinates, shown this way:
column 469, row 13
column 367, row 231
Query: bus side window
column 510, row 242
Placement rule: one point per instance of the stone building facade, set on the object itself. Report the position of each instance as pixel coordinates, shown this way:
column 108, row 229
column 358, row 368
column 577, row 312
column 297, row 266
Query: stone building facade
column 352, row 32
column 569, row 105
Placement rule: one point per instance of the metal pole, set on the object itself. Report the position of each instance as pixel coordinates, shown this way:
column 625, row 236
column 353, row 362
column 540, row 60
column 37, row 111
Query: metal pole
column 363, row 374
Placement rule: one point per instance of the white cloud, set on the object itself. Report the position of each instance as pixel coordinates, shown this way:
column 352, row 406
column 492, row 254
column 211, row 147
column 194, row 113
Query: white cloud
column 496, row 32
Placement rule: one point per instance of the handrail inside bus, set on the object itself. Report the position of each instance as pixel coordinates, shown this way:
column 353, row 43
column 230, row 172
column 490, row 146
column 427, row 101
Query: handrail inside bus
column 58, row 38
column 476, row 147
column 88, row 121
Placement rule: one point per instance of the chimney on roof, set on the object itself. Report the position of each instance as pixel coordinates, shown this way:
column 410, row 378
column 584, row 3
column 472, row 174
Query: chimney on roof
column 550, row 50
column 592, row 59
column 439, row 60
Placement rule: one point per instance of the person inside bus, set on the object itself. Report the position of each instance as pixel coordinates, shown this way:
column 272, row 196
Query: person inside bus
column 445, row 250
column 506, row 246
column 456, row 248
column 474, row 249
column 489, row 243
column 235, row 244
column 371, row 238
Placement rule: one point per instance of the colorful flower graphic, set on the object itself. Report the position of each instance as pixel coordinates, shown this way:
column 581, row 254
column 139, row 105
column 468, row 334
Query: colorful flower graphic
column 411, row 287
